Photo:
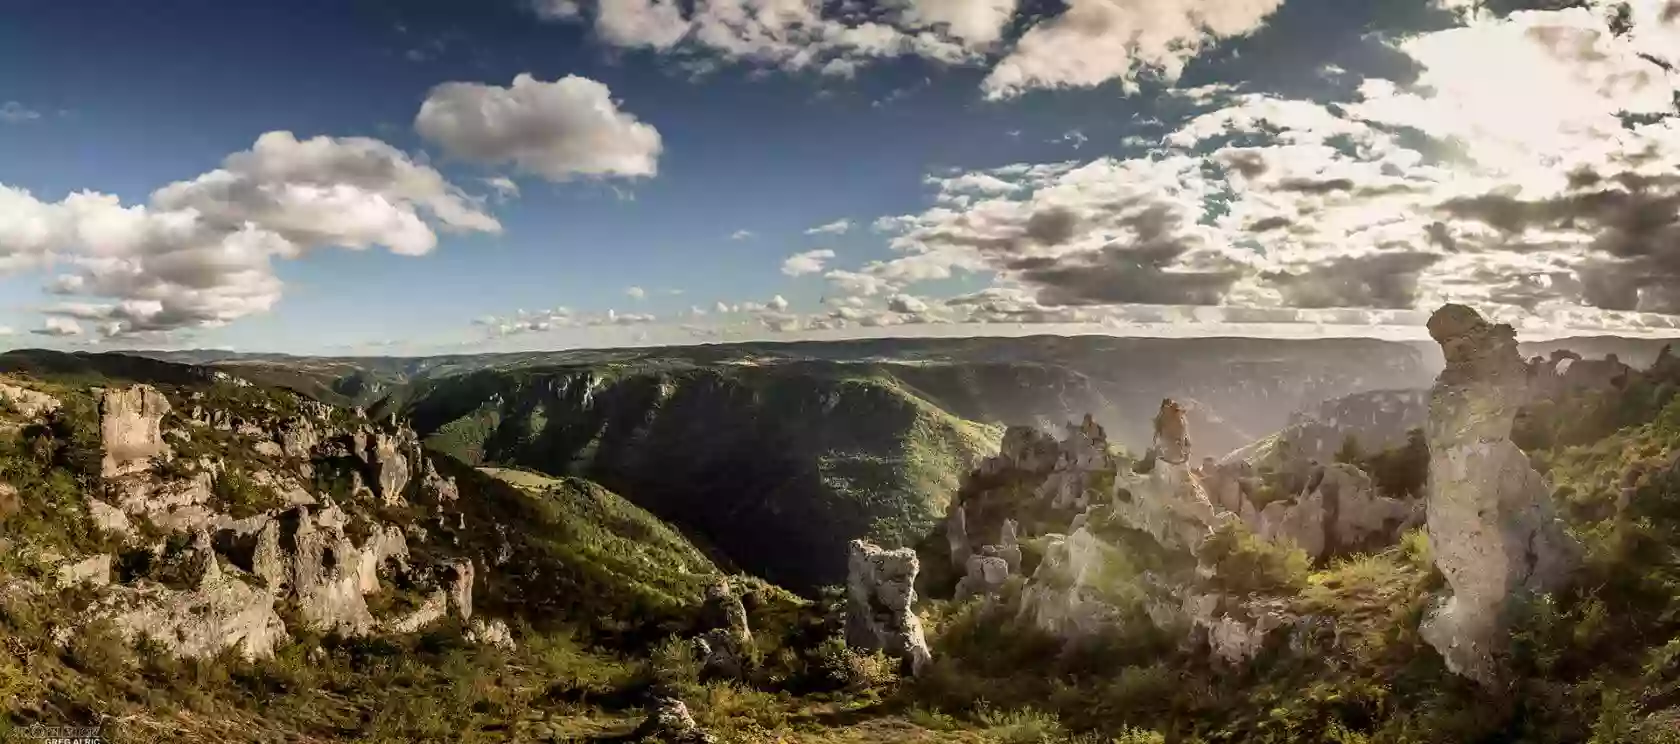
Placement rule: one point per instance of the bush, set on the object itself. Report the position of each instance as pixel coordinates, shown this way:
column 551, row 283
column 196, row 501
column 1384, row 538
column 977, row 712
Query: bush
column 1244, row 564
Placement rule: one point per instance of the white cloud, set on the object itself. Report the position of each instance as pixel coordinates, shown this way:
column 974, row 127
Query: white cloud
column 837, row 227
column 741, row 235
column 12, row 112
column 907, row 304
column 60, row 327
column 778, row 303
column 557, row 130
column 977, row 23
column 1097, row 41
column 809, row 262
column 1093, row 42
column 200, row 253
column 636, row 293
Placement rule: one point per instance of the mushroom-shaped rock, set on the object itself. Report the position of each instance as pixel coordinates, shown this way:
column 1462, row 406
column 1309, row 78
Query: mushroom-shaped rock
column 1490, row 515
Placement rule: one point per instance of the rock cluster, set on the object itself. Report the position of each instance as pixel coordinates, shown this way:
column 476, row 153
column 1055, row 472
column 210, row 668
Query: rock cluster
column 880, row 594
column 323, row 556
column 1490, row 516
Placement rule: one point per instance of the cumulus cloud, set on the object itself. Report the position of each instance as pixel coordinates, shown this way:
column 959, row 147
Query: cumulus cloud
column 504, row 187
column 1091, row 42
column 1530, row 168
column 809, row 262
column 778, row 303
column 741, row 235
column 557, row 130
column 200, row 252
column 636, row 293
column 1098, row 41
column 59, row 327
column 837, row 227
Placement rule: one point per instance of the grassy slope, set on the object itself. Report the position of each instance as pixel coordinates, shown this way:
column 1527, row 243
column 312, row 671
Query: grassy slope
column 780, row 465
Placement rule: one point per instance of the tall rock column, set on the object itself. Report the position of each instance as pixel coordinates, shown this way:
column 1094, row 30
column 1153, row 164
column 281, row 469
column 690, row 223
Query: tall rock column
column 1490, row 515
column 880, row 592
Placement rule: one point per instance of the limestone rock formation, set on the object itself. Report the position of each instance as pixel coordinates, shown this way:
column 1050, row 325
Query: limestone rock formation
column 880, row 594
column 221, row 613
column 669, row 722
column 1025, row 448
column 28, row 403
column 1067, row 595
column 95, row 571
column 490, row 633
column 1172, row 434
column 1340, row 512
column 131, row 429
column 726, row 647
column 1490, row 517
column 985, row 576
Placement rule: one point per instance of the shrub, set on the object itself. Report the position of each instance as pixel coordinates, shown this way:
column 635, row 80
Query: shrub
column 1243, row 563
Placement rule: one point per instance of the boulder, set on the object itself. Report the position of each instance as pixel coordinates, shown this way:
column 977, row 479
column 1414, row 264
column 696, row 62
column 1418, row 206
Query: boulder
column 726, row 647
column 986, row 574
column 95, row 571
column 131, row 429
column 109, row 518
column 669, row 722
column 880, row 593
column 28, row 403
column 430, row 611
column 490, row 633
column 1491, row 521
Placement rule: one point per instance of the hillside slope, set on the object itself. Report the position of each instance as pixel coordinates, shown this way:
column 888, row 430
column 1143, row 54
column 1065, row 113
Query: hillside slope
column 779, row 466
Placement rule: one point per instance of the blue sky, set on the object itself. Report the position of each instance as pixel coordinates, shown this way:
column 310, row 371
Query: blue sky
column 1132, row 156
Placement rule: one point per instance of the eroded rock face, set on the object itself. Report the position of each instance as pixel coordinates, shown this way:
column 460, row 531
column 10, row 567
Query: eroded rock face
column 223, row 612
column 880, row 593
column 1490, row 516
column 131, row 429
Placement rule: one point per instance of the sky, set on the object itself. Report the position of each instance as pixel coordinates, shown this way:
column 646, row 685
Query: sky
column 439, row 176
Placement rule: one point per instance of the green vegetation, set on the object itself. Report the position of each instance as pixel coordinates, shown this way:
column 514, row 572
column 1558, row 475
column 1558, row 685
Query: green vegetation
column 780, row 466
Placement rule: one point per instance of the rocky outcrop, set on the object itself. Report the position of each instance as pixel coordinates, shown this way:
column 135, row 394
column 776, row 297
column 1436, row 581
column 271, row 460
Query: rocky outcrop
column 28, row 403
column 131, row 429
column 491, row 633
column 880, row 593
column 669, row 722
column 1172, row 434
column 1490, row 516
column 222, row 612
column 330, row 575
column 1024, row 448
column 95, row 571
column 1565, row 372
column 1069, row 595
column 726, row 648
column 1341, row 511
column 985, row 575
